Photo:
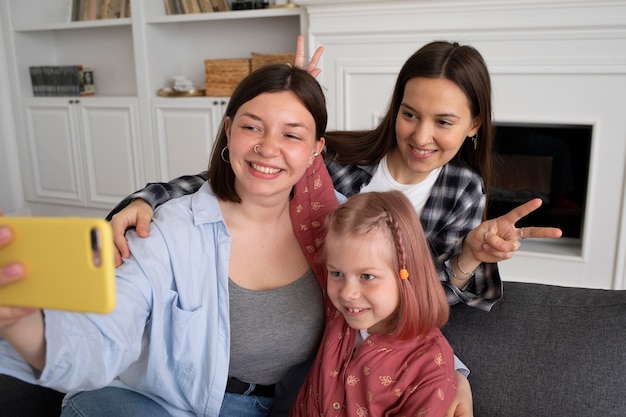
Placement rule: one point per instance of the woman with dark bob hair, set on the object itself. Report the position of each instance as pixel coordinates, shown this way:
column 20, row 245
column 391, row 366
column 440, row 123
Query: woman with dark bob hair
column 205, row 321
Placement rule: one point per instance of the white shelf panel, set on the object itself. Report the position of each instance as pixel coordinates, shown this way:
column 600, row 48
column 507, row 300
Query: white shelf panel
column 76, row 25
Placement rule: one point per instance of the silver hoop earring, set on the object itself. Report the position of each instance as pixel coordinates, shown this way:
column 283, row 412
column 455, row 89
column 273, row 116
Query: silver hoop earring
column 256, row 148
column 222, row 155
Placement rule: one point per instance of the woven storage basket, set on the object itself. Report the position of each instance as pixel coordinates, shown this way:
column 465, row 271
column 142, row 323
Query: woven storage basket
column 222, row 76
column 258, row 60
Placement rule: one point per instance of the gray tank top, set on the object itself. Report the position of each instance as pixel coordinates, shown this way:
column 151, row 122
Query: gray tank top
column 273, row 330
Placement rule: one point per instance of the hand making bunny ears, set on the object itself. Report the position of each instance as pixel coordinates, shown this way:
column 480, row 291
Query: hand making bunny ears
column 311, row 67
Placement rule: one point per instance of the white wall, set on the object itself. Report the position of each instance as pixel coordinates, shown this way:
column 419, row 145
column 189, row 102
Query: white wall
column 11, row 195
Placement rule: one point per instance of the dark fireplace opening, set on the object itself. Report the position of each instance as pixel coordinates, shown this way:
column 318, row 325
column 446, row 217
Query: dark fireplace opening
column 548, row 161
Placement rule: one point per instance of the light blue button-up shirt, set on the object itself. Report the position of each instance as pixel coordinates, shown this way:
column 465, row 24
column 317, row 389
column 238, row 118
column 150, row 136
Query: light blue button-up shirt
column 168, row 336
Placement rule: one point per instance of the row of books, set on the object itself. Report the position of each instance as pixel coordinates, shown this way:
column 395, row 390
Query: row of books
column 195, row 6
column 80, row 10
column 62, row 80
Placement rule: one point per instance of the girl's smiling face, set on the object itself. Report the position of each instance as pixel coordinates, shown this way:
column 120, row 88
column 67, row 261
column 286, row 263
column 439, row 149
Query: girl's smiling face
column 433, row 121
column 362, row 280
column 284, row 131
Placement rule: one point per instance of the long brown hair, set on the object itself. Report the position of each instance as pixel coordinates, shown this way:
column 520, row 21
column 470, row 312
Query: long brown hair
column 267, row 79
column 423, row 303
column 461, row 64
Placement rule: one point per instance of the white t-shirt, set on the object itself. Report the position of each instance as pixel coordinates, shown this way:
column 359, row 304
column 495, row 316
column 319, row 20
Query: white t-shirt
column 417, row 193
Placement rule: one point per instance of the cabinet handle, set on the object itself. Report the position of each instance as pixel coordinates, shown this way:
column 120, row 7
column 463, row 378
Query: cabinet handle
column 215, row 102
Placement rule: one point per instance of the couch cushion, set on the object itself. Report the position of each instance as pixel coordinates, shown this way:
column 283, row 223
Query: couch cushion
column 545, row 351
column 21, row 399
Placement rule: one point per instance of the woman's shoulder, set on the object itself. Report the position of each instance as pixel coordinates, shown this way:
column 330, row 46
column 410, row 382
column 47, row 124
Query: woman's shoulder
column 199, row 207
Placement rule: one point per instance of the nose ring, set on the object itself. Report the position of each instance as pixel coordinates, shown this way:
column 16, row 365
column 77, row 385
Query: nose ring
column 256, row 148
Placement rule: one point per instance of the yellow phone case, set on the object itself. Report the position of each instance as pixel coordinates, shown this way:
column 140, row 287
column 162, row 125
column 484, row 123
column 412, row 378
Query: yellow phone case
column 69, row 261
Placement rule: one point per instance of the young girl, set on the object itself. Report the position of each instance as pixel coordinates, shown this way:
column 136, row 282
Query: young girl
column 383, row 352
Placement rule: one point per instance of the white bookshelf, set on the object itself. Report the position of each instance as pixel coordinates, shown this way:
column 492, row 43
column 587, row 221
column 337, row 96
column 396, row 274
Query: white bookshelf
column 133, row 57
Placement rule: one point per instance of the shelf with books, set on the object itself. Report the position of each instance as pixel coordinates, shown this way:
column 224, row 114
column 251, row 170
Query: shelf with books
column 174, row 7
column 93, row 46
column 194, row 6
column 163, row 17
column 62, row 80
column 41, row 34
column 83, row 10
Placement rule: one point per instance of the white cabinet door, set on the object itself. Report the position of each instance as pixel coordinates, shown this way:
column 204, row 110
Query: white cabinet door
column 186, row 129
column 82, row 151
column 111, row 147
column 52, row 159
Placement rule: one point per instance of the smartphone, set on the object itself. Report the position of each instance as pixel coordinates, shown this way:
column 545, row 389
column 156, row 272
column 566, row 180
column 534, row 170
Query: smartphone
column 69, row 261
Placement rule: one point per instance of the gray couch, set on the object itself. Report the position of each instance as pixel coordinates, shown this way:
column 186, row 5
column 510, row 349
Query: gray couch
column 545, row 351
column 542, row 351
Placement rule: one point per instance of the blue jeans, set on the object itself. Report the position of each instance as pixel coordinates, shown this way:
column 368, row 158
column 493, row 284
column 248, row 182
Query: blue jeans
column 239, row 405
column 112, row 401
column 119, row 402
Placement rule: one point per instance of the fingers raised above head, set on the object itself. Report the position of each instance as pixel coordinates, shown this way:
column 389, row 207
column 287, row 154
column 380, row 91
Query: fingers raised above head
column 300, row 52
column 312, row 67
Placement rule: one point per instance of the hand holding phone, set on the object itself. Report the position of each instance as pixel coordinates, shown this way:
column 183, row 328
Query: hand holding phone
column 69, row 263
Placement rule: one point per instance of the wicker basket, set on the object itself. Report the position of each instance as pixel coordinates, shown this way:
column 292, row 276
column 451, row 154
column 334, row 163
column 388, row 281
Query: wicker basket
column 258, row 60
column 223, row 75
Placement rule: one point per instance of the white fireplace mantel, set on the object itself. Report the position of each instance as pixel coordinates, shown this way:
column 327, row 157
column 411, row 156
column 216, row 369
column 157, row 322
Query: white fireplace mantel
column 551, row 61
